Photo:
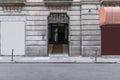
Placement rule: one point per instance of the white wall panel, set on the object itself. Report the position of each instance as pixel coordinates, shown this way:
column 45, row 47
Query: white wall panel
column 12, row 37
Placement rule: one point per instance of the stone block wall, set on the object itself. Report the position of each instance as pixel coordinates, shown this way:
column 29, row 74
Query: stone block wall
column 84, row 29
column 36, row 30
column 91, row 33
column 74, row 30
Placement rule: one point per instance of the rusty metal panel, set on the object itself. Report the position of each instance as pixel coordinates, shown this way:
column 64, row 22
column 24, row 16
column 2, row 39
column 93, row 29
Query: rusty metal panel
column 110, row 40
column 109, row 15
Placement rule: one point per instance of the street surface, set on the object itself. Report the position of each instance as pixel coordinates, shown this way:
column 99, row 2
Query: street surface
column 59, row 71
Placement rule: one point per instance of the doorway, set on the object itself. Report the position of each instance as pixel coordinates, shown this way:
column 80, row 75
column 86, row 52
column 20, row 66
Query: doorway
column 58, row 37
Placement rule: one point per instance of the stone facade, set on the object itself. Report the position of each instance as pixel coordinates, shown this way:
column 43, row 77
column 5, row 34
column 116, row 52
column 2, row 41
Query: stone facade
column 90, row 29
column 84, row 29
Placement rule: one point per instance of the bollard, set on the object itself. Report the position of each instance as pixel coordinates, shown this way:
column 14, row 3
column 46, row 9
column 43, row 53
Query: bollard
column 95, row 55
column 12, row 55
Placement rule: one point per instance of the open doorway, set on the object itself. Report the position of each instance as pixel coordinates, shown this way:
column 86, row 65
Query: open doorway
column 58, row 36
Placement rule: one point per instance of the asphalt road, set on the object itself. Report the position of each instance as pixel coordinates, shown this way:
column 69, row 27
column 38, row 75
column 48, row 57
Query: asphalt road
column 37, row 71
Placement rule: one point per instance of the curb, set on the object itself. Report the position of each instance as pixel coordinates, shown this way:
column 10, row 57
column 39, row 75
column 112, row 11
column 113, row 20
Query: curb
column 63, row 62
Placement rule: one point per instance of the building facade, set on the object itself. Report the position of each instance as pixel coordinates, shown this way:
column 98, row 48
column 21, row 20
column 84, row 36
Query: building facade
column 51, row 27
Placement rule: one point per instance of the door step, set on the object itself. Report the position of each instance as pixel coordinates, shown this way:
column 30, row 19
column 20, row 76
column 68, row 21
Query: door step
column 57, row 48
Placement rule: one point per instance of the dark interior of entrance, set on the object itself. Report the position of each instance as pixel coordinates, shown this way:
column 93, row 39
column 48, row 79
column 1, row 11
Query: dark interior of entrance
column 58, row 38
column 58, row 24
column 58, row 33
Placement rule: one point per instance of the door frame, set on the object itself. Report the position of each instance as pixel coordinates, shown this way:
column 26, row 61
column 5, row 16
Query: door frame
column 58, row 23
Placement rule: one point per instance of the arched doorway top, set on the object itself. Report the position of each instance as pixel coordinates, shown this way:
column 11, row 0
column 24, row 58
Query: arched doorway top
column 58, row 18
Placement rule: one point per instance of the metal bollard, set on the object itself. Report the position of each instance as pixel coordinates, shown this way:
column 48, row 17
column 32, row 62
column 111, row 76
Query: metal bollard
column 12, row 59
column 96, row 55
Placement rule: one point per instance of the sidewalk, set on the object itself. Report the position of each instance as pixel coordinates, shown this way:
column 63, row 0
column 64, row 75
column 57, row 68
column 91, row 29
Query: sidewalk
column 60, row 59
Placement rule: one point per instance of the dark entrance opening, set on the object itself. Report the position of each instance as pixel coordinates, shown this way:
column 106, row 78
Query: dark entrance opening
column 58, row 38
column 58, row 33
